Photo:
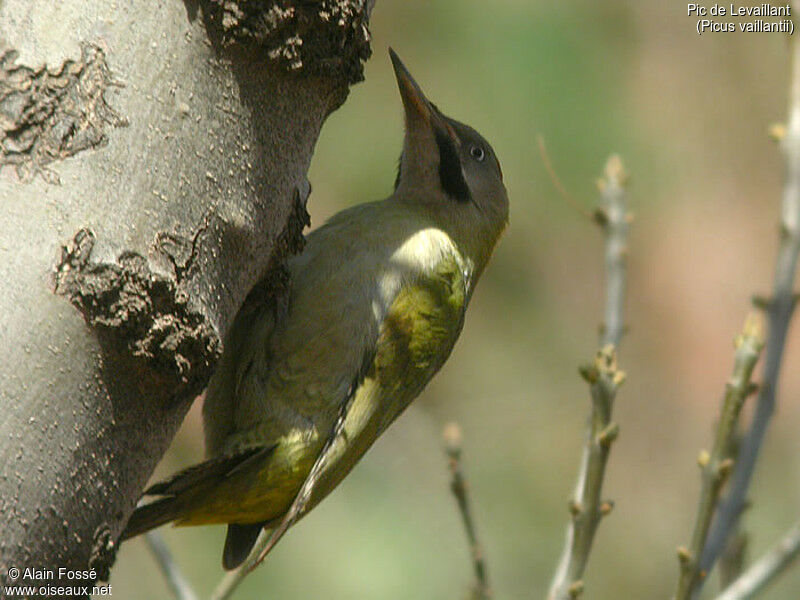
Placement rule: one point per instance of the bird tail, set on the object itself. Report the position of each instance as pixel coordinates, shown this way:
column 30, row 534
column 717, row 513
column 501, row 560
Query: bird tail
column 150, row 516
column 178, row 493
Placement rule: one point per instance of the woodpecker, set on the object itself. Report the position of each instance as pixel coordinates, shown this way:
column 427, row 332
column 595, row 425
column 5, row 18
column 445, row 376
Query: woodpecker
column 376, row 302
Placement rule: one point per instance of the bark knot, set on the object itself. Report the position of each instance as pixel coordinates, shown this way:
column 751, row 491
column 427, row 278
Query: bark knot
column 330, row 37
column 138, row 311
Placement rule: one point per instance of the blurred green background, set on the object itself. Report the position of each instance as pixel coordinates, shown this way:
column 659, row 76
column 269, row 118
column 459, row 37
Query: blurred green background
column 689, row 115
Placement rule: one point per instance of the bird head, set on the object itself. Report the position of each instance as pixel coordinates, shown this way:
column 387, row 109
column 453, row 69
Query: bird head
column 451, row 169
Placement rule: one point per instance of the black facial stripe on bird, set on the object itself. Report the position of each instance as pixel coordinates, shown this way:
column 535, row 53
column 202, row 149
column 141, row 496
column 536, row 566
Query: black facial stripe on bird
column 450, row 174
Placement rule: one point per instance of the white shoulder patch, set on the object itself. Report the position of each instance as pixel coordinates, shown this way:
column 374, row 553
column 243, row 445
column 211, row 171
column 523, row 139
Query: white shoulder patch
column 418, row 255
column 424, row 249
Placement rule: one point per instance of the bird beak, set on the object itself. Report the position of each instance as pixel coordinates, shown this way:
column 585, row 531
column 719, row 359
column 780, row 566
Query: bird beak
column 414, row 101
column 417, row 106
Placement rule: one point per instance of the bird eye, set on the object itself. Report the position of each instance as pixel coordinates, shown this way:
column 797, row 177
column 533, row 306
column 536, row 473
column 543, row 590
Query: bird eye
column 477, row 153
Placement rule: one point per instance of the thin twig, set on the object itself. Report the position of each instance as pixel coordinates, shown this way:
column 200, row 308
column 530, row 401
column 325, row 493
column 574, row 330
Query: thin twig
column 175, row 580
column 780, row 308
column 604, row 378
column 615, row 219
column 458, row 485
column 766, row 569
column 548, row 165
column 716, row 467
column 734, row 557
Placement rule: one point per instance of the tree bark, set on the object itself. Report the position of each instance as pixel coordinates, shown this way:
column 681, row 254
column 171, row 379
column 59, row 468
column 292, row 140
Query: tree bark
column 153, row 160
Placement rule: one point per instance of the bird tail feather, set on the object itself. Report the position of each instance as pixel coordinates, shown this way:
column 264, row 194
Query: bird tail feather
column 150, row 516
column 238, row 543
column 179, row 491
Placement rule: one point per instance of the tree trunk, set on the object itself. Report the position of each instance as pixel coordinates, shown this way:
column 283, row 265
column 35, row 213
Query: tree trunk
column 153, row 160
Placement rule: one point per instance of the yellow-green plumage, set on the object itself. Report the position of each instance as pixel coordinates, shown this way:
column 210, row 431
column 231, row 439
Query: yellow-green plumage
column 376, row 302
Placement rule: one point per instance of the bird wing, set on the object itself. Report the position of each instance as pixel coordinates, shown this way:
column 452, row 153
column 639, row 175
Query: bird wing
column 242, row 357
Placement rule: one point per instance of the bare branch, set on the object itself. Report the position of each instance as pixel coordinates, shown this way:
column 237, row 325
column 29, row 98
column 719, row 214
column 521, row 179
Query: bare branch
column 733, row 559
column 172, row 573
column 717, row 465
column 615, row 219
column 779, row 308
column 604, row 378
column 458, row 485
column 766, row 569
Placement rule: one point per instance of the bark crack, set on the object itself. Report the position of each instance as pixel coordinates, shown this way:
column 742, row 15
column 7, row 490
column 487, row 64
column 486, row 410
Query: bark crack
column 181, row 250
